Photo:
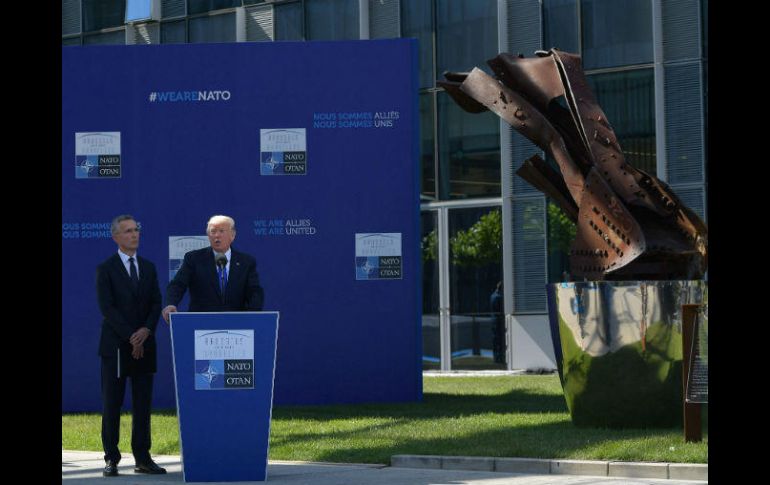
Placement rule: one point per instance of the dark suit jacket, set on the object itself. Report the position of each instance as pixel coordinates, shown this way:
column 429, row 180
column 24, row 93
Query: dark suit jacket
column 198, row 273
column 126, row 310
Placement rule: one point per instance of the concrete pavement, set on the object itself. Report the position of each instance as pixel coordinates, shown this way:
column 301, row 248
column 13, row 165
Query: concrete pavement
column 85, row 468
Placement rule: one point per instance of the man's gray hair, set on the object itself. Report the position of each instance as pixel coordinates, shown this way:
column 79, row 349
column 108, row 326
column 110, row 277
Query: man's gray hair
column 114, row 228
column 219, row 220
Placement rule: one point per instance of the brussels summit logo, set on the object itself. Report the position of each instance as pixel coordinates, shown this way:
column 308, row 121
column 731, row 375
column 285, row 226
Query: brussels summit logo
column 378, row 256
column 178, row 246
column 97, row 155
column 283, row 151
column 224, row 359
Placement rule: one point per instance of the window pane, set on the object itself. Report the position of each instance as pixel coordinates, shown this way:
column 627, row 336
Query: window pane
column 616, row 32
column 560, row 25
column 173, row 33
column 217, row 28
column 561, row 233
column 289, row 21
column 332, row 19
column 417, row 22
column 469, row 152
column 628, row 100
column 475, row 272
column 201, row 6
column 467, row 35
column 103, row 14
column 427, row 151
column 138, row 10
column 117, row 37
column 431, row 333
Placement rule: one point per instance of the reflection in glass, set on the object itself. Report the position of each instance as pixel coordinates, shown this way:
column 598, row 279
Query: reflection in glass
column 616, row 32
column 173, row 32
column 431, row 329
column 475, row 272
column 560, row 25
column 103, row 14
column 469, row 152
column 466, row 35
column 116, row 37
column 214, row 28
column 628, row 100
column 427, row 151
column 201, row 6
column 138, row 10
column 561, row 233
column 289, row 21
column 332, row 19
column 417, row 22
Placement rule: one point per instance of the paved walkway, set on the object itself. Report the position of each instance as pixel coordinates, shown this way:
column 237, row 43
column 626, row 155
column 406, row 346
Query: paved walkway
column 85, row 467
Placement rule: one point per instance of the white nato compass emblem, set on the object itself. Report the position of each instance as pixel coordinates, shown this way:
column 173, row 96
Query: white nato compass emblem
column 367, row 268
column 210, row 374
column 87, row 166
column 271, row 162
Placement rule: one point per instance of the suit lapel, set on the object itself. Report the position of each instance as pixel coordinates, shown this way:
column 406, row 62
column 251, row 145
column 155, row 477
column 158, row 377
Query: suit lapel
column 144, row 274
column 211, row 269
column 235, row 268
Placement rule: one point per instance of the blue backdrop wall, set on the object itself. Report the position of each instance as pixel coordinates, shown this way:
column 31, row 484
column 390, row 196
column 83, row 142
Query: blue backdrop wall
column 310, row 146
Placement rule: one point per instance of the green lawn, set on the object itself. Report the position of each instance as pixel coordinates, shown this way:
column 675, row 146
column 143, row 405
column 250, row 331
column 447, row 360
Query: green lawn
column 512, row 416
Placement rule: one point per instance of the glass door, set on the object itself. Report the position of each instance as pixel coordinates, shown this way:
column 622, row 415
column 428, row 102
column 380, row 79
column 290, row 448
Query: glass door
column 477, row 323
column 431, row 321
column 463, row 324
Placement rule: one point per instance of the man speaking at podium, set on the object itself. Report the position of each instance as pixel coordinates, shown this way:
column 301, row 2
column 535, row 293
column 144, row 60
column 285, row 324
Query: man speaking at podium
column 220, row 279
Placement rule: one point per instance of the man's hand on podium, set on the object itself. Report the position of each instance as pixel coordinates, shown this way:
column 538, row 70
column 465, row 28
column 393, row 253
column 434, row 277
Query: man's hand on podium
column 166, row 311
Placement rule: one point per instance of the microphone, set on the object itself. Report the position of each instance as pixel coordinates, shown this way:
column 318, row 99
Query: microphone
column 221, row 260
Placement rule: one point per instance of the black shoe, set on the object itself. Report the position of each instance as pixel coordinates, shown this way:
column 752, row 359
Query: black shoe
column 111, row 469
column 149, row 467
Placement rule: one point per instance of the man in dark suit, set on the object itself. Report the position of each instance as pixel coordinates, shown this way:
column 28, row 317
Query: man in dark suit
column 220, row 279
column 129, row 299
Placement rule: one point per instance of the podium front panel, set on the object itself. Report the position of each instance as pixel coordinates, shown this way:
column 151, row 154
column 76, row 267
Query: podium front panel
column 224, row 367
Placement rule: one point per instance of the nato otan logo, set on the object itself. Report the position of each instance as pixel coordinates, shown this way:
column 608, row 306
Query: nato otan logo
column 283, row 151
column 224, row 359
column 97, row 155
column 378, row 256
column 178, row 246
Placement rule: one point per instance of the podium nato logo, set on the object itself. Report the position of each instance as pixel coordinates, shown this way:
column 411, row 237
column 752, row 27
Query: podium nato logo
column 224, row 359
column 97, row 155
column 378, row 256
column 283, row 151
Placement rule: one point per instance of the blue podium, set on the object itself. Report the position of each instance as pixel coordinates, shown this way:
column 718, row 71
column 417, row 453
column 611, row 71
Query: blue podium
column 224, row 367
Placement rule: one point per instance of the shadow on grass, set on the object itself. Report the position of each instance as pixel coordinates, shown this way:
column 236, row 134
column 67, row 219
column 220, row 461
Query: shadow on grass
column 434, row 405
column 535, row 425
column 557, row 438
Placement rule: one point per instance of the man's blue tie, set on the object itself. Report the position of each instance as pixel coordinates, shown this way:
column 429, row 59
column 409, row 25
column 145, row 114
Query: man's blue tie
column 223, row 278
column 133, row 273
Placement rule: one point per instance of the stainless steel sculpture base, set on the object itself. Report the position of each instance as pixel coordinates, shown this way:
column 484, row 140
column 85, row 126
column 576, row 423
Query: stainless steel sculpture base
column 618, row 347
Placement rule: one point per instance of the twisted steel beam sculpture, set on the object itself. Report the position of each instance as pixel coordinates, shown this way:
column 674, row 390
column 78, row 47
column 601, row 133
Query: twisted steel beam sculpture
column 630, row 224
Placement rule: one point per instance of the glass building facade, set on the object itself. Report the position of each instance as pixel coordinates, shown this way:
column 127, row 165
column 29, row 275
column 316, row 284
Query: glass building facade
column 645, row 60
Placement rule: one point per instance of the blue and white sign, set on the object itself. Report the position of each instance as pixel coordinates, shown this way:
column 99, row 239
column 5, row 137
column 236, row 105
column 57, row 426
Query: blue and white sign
column 199, row 142
column 224, row 359
column 97, row 155
column 378, row 256
column 283, row 152
column 224, row 436
column 178, row 246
